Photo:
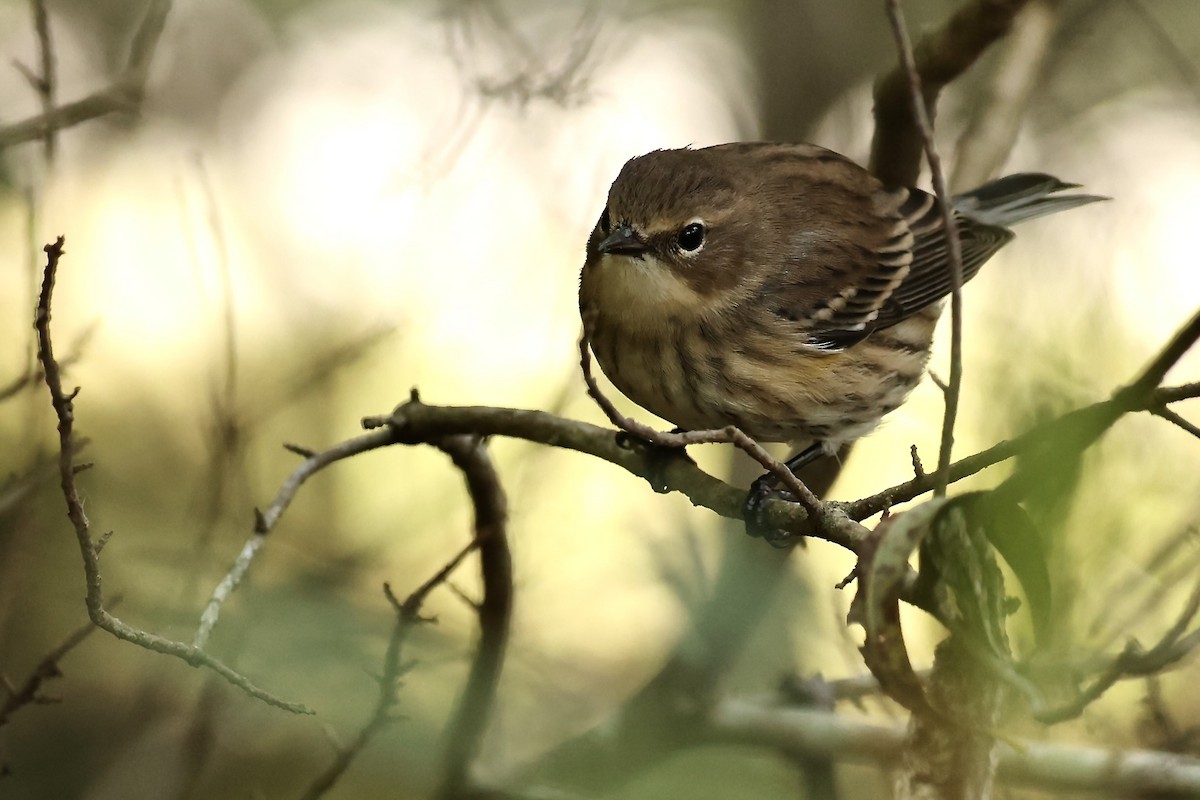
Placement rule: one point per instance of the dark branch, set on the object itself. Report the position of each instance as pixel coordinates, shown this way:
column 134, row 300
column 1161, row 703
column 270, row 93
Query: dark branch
column 47, row 669
column 922, row 116
column 940, row 57
column 464, row 734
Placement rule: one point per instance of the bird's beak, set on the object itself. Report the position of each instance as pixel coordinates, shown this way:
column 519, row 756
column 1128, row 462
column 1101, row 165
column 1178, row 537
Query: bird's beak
column 622, row 241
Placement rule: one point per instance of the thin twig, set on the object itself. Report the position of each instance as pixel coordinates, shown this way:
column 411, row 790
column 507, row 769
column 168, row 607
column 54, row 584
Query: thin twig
column 264, row 521
column 63, row 404
column 1156, row 370
column 918, row 467
column 46, row 669
column 954, row 247
column 47, row 82
column 408, row 615
column 1176, row 419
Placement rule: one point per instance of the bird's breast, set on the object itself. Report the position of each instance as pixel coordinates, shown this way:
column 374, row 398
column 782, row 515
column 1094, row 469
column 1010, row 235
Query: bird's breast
column 701, row 365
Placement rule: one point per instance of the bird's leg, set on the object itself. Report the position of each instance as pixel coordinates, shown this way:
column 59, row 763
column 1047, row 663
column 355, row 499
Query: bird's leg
column 767, row 485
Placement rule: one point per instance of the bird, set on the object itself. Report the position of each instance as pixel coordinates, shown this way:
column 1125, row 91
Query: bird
column 781, row 287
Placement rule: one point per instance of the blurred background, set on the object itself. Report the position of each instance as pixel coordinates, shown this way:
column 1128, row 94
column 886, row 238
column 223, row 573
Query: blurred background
column 318, row 205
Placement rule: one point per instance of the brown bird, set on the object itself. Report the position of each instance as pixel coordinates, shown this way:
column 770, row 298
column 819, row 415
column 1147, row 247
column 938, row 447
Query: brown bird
column 781, row 288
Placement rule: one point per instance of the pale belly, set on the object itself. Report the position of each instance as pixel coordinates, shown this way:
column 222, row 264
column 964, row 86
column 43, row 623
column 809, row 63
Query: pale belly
column 768, row 383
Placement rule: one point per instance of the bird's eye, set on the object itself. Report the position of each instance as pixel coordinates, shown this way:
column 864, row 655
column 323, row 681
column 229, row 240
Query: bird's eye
column 603, row 224
column 691, row 236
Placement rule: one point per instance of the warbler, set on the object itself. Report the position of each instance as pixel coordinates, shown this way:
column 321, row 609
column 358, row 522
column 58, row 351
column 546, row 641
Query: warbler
column 781, row 288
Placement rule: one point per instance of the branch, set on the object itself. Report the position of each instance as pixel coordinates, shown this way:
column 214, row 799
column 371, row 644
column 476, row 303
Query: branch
column 940, row 57
column 1082, row 431
column 1095, row 418
column 1047, row 767
column 416, row 423
column 89, row 549
column 465, row 732
column 264, row 521
column 1157, row 369
column 1177, row 420
column 670, row 470
column 466, row 729
column 123, row 94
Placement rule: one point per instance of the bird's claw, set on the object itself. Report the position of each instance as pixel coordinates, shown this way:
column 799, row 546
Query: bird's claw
column 754, row 508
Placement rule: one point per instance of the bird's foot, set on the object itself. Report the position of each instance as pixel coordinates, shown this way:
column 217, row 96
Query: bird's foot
column 763, row 489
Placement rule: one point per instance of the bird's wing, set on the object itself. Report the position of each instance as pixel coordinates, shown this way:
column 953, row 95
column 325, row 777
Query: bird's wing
column 876, row 264
column 928, row 278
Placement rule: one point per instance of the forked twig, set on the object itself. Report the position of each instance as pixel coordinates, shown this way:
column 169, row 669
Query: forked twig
column 89, row 549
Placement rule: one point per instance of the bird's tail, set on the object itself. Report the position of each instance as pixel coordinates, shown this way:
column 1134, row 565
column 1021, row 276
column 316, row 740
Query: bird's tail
column 1015, row 198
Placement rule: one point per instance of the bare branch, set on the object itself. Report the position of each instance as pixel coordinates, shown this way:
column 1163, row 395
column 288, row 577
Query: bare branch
column 466, row 729
column 416, row 423
column 46, row 669
column 1157, row 369
column 63, row 404
column 408, row 615
column 264, row 521
column 267, row 519
column 1176, row 419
